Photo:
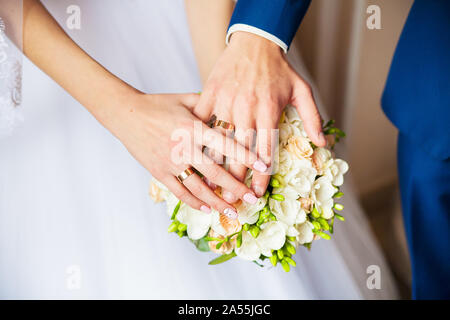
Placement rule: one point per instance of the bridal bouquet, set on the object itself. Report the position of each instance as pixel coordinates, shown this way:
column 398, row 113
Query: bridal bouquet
column 298, row 208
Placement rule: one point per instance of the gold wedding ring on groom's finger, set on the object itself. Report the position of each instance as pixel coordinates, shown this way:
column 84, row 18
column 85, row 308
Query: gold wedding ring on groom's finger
column 223, row 124
column 185, row 174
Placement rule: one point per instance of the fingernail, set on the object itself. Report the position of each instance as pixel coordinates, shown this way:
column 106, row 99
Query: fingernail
column 260, row 166
column 205, row 209
column 250, row 198
column 259, row 191
column 229, row 197
column 230, row 213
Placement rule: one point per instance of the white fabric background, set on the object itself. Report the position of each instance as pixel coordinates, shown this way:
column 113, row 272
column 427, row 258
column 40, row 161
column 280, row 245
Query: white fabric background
column 72, row 196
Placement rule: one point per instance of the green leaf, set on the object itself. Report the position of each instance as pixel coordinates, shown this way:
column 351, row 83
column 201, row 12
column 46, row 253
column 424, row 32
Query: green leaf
column 329, row 123
column 202, row 245
column 175, row 211
column 219, row 244
column 222, row 258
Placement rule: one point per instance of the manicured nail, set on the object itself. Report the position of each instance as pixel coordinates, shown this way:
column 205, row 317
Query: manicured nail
column 259, row 191
column 205, row 209
column 250, row 198
column 230, row 213
column 260, row 166
column 229, row 197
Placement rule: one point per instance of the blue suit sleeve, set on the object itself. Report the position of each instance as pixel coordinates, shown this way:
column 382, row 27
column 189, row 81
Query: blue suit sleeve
column 281, row 18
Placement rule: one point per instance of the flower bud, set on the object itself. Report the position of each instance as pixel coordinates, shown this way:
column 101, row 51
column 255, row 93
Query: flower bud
column 338, row 207
column 338, row 195
column 339, row 216
column 180, row 234
column 316, row 225
column 285, row 265
column 290, row 261
column 254, row 231
column 273, row 259
column 290, row 248
column 323, row 235
column 315, row 213
column 278, row 197
column 324, row 224
column 182, row 227
column 173, row 227
column 274, row 183
column 280, row 254
column 246, row 227
column 239, row 240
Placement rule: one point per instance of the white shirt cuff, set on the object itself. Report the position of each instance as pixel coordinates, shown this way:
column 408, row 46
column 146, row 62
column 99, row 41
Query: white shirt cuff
column 257, row 31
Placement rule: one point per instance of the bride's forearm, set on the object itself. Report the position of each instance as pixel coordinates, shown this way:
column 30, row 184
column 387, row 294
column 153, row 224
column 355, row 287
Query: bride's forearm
column 208, row 22
column 47, row 45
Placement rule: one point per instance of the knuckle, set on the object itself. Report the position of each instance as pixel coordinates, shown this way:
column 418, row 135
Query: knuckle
column 250, row 98
column 214, row 174
column 238, row 189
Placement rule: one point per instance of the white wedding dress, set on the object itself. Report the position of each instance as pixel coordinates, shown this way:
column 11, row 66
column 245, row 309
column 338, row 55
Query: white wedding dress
column 75, row 218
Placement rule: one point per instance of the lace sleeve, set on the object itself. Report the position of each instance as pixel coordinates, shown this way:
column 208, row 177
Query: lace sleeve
column 10, row 84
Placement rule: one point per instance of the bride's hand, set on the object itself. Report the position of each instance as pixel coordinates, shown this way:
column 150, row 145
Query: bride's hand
column 161, row 132
column 250, row 85
column 144, row 123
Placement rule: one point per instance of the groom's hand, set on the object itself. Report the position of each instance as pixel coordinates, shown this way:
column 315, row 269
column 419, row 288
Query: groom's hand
column 249, row 87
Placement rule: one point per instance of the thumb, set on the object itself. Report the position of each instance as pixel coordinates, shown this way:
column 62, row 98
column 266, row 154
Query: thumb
column 190, row 100
column 303, row 101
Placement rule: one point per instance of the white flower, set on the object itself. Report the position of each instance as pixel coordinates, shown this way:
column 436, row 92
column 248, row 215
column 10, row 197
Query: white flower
column 321, row 159
column 223, row 225
column 158, row 192
column 285, row 132
column 197, row 222
column 249, row 213
column 249, row 249
column 271, row 237
column 335, row 172
column 299, row 147
column 301, row 177
column 284, row 162
column 171, row 203
column 287, row 211
column 322, row 195
column 305, row 234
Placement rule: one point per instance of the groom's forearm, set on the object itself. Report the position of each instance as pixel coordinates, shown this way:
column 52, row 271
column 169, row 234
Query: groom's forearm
column 208, row 22
column 47, row 45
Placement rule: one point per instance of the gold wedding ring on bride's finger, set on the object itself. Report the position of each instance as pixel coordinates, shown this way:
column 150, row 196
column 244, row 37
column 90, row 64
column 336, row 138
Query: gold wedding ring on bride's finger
column 223, row 124
column 185, row 174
